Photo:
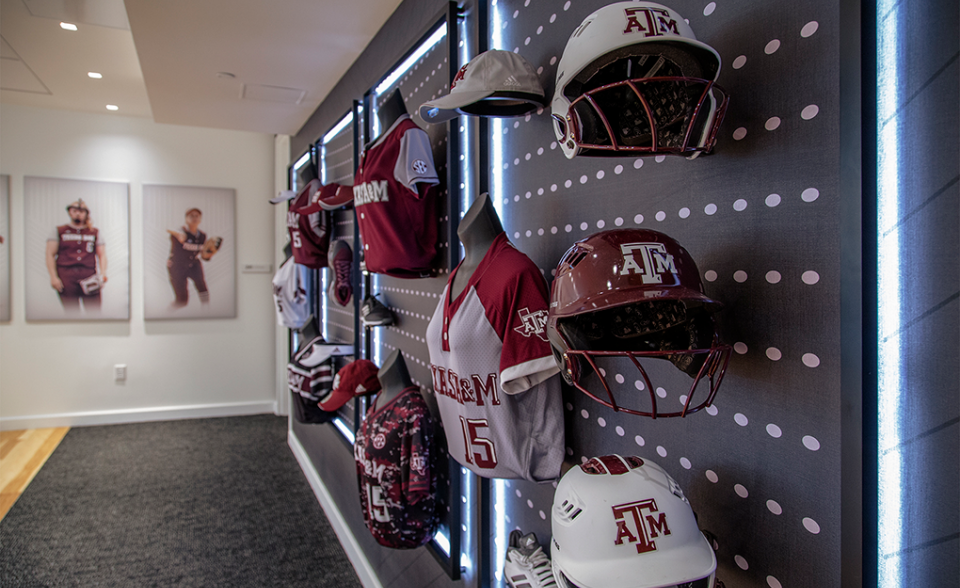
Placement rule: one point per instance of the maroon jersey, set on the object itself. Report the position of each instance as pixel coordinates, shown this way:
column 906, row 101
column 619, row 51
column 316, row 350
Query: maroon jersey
column 397, row 473
column 307, row 385
column 397, row 225
column 78, row 247
column 306, row 223
column 185, row 254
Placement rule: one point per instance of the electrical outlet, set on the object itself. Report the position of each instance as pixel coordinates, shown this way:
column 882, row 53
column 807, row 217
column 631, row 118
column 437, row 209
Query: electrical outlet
column 120, row 372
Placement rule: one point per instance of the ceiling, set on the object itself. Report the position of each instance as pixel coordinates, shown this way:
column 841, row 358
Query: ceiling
column 250, row 65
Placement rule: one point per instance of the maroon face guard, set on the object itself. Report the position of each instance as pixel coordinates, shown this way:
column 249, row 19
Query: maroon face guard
column 714, row 367
column 663, row 115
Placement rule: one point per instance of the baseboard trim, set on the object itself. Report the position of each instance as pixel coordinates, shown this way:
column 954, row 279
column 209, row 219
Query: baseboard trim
column 137, row 415
column 368, row 577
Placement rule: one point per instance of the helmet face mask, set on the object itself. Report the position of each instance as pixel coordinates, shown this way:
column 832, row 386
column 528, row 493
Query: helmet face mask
column 635, row 295
column 634, row 79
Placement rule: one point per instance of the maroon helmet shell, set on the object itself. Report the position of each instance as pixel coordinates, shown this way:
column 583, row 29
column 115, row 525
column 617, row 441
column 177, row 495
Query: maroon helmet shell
column 646, row 284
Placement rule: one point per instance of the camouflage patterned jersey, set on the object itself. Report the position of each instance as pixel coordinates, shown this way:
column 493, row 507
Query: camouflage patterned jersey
column 396, row 469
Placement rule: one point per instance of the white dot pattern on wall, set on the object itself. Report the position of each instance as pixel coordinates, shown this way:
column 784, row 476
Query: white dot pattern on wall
column 810, row 277
column 685, row 463
column 811, row 525
column 740, row 205
column 710, row 276
column 661, row 451
column 712, row 410
column 584, row 413
column 519, row 494
column 773, row 582
column 739, row 62
column 529, row 503
column 740, row 276
column 774, row 431
column 772, row 124
column 661, row 216
column 619, row 430
column 774, row 354
column 772, row 200
column 773, row 277
column 741, row 490
column 774, row 507
column 811, row 443
column 809, row 29
column 639, row 385
column 710, row 209
column 741, row 419
column 640, row 440
column 638, row 219
column 601, row 421
column 712, row 476
column 810, row 360
column 809, row 112
column 661, row 392
column 741, row 562
column 772, row 47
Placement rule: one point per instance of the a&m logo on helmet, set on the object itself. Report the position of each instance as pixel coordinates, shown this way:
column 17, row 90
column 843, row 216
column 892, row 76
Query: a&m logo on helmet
column 532, row 323
column 652, row 22
column 640, row 523
column 653, row 262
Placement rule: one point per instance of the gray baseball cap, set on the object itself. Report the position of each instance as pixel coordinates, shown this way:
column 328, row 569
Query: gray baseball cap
column 495, row 83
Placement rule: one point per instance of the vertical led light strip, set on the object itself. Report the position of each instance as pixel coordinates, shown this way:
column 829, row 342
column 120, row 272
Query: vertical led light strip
column 889, row 287
column 499, row 487
column 467, row 156
column 496, row 124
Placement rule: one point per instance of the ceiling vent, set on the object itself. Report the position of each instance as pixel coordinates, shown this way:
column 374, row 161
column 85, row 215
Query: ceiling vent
column 272, row 93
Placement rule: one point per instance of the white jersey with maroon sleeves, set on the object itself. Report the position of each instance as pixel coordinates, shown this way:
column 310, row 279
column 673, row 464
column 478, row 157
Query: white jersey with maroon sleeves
column 290, row 296
column 494, row 375
column 398, row 226
column 307, row 225
column 396, row 471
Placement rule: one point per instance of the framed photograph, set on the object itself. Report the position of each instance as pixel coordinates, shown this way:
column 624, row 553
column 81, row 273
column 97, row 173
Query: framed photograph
column 189, row 252
column 77, row 249
column 4, row 248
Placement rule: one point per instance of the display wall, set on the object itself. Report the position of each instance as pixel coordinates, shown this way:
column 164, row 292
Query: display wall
column 772, row 219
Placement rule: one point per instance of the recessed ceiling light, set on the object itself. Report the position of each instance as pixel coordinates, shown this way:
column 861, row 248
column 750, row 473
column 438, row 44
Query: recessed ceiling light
column 68, row 26
column 94, row 75
column 112, row 107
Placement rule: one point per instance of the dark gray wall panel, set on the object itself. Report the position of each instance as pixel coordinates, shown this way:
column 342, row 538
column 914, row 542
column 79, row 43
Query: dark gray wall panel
column 767, row 201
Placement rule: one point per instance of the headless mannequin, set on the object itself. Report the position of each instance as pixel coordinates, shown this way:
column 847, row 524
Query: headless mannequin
column 394, row 379
column 308, row 332
column 477, row 231
column 392, row 109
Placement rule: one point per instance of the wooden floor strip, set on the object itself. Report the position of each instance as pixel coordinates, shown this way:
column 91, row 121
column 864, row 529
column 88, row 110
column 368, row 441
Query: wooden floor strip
column 22, row 454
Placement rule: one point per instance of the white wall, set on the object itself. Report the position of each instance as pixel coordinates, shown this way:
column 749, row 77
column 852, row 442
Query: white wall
column 62, row 373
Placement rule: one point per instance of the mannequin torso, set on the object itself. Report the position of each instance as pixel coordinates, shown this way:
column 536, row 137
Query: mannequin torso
column 394, row 379
column 477, row 231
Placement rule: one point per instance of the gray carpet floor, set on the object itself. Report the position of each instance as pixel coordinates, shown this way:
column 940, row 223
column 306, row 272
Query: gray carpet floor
column 211, row 502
